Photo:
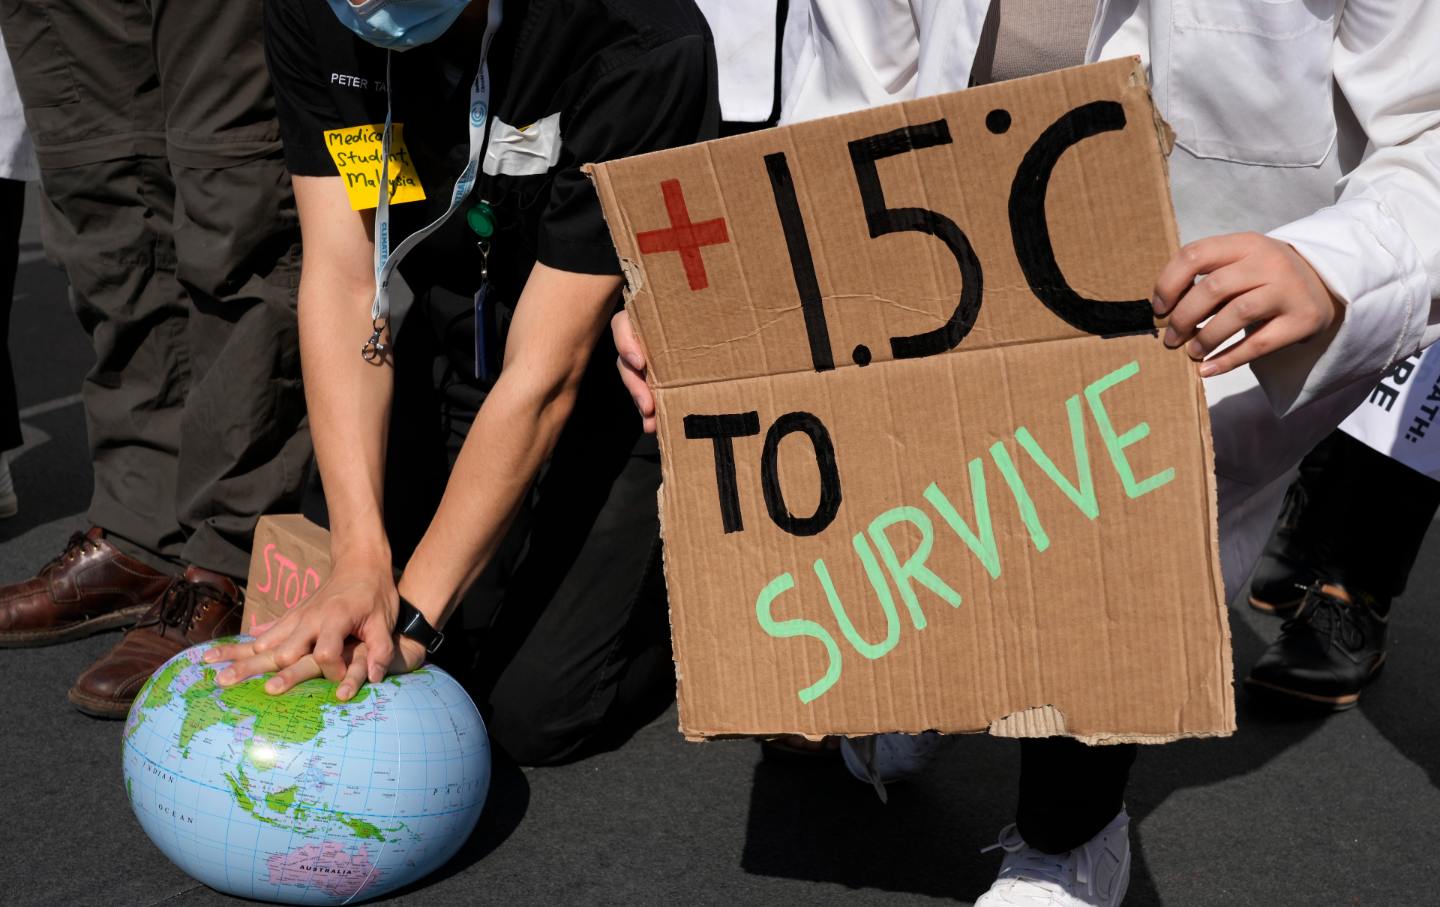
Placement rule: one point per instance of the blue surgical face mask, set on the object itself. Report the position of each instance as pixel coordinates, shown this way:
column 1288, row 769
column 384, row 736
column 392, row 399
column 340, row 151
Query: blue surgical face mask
column 398, row 24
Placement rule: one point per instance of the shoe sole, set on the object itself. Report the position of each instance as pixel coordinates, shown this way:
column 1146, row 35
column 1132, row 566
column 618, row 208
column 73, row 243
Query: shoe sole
column 96, row 707
column 26, row 639
column 1279, row 609
column 1325, row 703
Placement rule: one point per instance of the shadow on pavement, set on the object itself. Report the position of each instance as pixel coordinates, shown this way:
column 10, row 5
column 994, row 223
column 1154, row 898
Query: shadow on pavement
column 1263, row 735
column 49, row 350
column 1403, row 703
column 52, row 477
column 505, row 808
column 809, row 820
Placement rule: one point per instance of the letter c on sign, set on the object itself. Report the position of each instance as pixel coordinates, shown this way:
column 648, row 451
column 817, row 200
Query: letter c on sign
column 1030, row 231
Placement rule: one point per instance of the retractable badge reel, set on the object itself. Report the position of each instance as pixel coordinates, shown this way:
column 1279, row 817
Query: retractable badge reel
column 481, row 220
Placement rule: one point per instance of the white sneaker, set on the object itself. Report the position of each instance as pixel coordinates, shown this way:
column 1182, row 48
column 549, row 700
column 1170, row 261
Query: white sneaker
column 1095, row 874
column 885, row 758
column 9, row 504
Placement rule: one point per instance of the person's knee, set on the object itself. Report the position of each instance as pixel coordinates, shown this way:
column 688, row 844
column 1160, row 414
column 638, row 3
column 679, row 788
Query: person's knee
column 545, row 717
column 541, row 734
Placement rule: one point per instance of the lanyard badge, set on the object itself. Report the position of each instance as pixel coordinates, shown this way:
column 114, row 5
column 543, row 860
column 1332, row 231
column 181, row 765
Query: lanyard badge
column 481, row 220
column 387, row 260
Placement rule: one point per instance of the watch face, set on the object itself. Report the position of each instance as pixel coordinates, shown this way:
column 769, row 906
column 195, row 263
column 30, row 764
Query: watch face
column 411, row 623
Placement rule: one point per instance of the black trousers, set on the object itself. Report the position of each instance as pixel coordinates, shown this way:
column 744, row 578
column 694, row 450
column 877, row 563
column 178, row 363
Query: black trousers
column 168, row 205
column 12, row 214
column 567, row 631
column 1069, row 791
column 1364, row 515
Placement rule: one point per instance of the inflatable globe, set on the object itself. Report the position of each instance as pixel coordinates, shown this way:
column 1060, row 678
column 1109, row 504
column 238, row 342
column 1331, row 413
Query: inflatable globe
column 301, row 798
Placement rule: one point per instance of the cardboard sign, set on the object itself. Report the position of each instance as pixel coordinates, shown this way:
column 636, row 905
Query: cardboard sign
column 289, row 561
column 357, row 153
column 926, row 462
column 1398, row 418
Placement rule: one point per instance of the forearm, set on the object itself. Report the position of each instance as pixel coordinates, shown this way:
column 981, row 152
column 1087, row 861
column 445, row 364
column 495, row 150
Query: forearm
column 349, row 403
column 513, row 434
column 348, row 398
column 558, row 318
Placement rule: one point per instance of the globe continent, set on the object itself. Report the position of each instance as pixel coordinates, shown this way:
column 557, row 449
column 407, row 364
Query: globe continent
column 301, row 798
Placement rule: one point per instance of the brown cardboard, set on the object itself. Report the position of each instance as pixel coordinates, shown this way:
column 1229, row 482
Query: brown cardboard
column 1106, row 620
column 289, row 561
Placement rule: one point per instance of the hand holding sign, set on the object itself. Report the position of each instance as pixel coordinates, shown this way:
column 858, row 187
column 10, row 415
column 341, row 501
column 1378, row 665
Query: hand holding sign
column 1249, row 281
column 631, row 363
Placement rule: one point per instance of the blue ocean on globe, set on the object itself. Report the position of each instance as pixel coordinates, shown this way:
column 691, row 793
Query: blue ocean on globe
column 301, row 798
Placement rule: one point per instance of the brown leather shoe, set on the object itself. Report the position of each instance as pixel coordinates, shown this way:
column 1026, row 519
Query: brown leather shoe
column 90, row 587
column 196, row 608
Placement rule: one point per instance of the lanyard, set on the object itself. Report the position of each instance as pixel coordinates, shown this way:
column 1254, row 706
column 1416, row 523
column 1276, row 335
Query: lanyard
column 386, row 260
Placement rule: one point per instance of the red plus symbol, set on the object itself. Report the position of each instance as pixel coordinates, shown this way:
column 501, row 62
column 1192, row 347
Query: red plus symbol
column 683, row 236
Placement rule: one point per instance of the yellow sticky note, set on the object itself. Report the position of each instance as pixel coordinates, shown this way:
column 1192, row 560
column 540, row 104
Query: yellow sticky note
column 356, row 151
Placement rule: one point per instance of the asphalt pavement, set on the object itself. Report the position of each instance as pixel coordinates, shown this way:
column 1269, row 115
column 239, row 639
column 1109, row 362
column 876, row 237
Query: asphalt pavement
column 1343, row 810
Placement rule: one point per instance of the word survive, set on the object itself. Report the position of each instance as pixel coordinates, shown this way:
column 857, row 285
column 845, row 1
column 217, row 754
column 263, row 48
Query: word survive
column 883, row 565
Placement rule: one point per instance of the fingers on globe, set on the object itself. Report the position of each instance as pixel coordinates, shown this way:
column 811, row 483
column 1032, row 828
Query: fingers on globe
column 329, row 652
column 355, row 673
column 246, row 667
column 378, row 646
column 299, row 672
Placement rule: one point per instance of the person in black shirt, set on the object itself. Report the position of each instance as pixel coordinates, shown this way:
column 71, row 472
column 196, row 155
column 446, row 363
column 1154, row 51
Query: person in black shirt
column 501, row 374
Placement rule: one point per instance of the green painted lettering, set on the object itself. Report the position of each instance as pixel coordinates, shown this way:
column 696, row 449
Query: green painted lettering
column 981, row 540
column 1082, row 492
column 787, row 629
column 882, row 590
column 1116, row 443
column 1021, row 494
column 914, row 567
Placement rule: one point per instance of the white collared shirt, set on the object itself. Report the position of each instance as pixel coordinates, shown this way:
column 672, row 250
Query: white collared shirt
column 1312, row 120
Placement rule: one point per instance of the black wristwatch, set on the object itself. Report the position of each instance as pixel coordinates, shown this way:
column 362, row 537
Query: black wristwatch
column 411, row 623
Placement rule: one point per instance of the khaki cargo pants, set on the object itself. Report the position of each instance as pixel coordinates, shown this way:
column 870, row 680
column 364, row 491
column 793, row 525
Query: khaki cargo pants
column 168, row 205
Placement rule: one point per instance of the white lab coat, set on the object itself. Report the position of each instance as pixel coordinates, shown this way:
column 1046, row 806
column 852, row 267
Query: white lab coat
column 1315, row 121
column 17, row 154
column 745, row 34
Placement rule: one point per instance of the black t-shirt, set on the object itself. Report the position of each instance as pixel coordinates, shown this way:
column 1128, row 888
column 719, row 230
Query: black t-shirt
column 573, row 82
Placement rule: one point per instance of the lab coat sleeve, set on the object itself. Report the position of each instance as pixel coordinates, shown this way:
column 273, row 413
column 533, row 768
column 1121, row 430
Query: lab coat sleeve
column 1378, row 246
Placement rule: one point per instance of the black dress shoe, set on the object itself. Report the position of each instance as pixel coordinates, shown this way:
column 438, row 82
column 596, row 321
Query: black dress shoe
column 1326, row 653
column 1287, row 567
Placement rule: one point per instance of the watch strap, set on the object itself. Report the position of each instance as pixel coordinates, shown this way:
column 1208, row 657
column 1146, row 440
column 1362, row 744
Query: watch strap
column 409, row 622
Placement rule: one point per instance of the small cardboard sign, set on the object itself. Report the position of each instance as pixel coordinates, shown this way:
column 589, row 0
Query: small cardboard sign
column 289, row 561
column 358, row 151
column 926, row 462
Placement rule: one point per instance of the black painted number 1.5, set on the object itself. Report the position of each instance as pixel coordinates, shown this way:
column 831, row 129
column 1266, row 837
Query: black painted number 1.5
column 1029, row 231
column 881, row 221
